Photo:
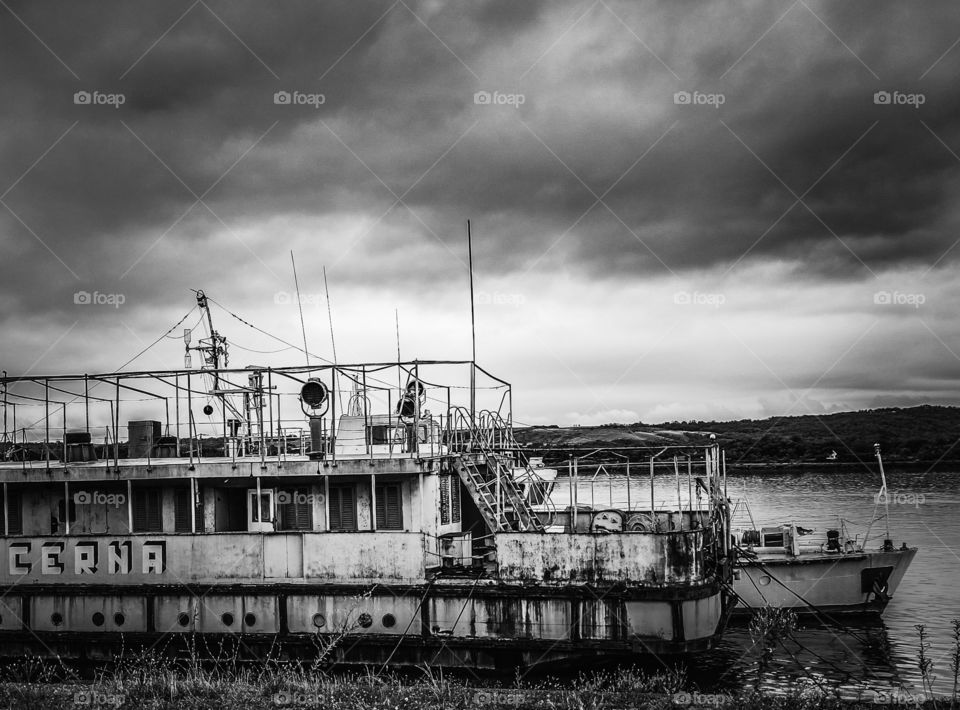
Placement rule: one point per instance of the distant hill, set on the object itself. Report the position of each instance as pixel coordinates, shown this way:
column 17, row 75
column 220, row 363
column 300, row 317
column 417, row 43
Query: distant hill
column 925, row 433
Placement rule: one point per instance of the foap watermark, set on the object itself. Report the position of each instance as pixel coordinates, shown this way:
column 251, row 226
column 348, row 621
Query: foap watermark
column 98, row 98
column 284, row 298
column 899, row 498
column 701, row 699
column 93, row 699
column 898, row 98
column 495, row 98
column 698, row 98
column 898, row 697
column 298, row 98
column 499, row 697
column 485, row 298
column 896, row 298
column 299, row 498
column 686, row 298
column 85, row 298
column 286, row 698
column 99, row 498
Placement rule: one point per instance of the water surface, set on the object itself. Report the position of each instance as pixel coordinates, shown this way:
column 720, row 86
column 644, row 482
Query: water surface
column 924, row 513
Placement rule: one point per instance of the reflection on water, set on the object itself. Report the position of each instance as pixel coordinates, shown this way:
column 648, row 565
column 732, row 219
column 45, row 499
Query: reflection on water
column 876, row 655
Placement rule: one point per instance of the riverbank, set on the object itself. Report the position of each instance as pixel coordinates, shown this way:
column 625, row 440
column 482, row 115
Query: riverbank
column 836, row 467
column 772, row 468
column 278, row 688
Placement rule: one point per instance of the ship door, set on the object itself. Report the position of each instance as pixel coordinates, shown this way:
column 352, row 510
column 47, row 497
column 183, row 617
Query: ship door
column 260, row 518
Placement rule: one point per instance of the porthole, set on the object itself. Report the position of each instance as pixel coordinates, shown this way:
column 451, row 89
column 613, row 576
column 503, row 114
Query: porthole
column 98, row 619
column 183, row 618
column 365, row 620
column 227, row 618
column 249, row 619
column 56, row 618
column 119, row 618
column 319, row 621
column 389, row 621
column 764, row 580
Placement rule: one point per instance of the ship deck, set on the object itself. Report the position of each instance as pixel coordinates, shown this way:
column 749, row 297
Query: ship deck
column 185, row 467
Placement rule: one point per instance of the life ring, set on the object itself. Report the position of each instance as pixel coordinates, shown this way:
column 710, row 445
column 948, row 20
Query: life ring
column 641, row 522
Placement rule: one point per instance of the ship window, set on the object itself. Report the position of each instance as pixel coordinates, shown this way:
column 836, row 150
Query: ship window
column 62, row 515
column 343, row 508
column 14, row 513
column 296, row 510
column 146, row 510
column 378, row 435
column 266, row 515
column 389, row 507
column 181, row 510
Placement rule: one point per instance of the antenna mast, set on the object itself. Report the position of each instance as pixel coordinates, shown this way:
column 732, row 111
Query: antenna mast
column 396, row 320
column 303, row 328
column 326, row 291
column 473, row 329
column 212, row 349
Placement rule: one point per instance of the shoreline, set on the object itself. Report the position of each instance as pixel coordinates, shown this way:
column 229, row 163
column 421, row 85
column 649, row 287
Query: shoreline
column 820, row 467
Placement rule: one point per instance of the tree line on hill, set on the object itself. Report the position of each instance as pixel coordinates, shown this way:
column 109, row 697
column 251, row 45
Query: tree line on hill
column 922, row 433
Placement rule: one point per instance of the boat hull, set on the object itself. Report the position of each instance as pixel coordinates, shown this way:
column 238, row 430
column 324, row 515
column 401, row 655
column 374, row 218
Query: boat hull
column 856, row 583
column 485, row 626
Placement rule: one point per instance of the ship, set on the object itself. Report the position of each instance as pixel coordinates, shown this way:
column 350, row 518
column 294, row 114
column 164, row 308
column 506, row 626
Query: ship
column 820, row 573
column 816, row 575
column 360, row 514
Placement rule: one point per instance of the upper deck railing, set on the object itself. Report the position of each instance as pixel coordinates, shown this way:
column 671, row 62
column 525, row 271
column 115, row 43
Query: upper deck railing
column 377, row 410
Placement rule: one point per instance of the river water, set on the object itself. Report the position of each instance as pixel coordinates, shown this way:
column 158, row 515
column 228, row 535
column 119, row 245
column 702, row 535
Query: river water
column 867, row 657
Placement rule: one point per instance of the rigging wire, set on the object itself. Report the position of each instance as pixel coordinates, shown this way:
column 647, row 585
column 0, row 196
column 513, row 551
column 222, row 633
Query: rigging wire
column 291, row 345
column 174, row 327
column 259, row 352
column 177, row 337
column 99, row 382
column 269, row 335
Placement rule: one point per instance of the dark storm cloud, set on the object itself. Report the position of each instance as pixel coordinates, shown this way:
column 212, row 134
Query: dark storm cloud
column 597, row 176
column 199, row 95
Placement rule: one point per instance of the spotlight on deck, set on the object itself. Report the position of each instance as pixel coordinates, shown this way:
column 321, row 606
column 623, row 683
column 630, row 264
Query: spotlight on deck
column 315, row 395
column 314, row 401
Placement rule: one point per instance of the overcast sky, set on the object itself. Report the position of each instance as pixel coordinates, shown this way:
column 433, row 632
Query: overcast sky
column 680, row 210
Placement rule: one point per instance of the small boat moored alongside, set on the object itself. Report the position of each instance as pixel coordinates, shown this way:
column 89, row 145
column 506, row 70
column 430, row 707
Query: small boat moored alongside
column 823, row 573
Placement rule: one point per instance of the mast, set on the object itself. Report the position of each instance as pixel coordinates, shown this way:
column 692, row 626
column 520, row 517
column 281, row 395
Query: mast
column 303, row 328
column 883, row 489
column 473, row 329
column 213, row 350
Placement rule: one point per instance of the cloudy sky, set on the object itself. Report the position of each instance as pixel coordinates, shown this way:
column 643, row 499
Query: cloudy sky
column 680, row 210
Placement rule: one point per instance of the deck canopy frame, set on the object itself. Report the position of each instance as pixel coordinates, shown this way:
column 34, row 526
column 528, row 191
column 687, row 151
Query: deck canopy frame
column 249, row 410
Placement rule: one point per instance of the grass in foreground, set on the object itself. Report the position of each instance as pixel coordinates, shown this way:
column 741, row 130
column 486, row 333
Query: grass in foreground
column 154, row 682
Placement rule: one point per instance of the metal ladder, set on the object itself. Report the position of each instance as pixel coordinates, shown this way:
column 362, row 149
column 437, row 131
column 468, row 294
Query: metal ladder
column 511, row 513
